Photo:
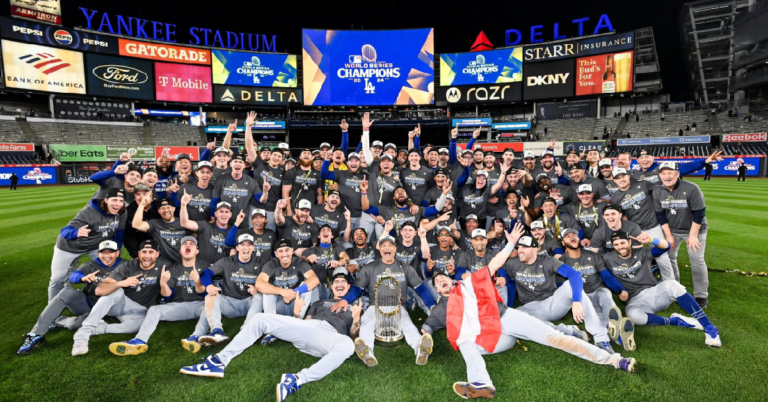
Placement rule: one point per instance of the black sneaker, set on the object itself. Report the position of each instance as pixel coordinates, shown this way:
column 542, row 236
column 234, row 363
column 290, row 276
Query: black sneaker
column 31, row 342
column 703, row 302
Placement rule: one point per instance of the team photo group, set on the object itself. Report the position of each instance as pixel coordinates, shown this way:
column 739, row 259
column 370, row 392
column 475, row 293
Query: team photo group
column 330, row 248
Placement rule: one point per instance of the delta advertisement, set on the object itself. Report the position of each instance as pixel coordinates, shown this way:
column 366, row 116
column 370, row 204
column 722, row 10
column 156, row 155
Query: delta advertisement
column 254, row 69
column 28, row 175
column 726, row 167
column 494, row 66
column 42, row 68
column 183, row 83
column 46, row 11
column 48, row 35
column 121, row 77
column 255, row 96
column 368, row 68
column 605, row 74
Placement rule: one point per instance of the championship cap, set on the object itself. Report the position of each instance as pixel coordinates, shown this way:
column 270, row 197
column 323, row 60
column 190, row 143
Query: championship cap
column 290, row 160
column 612, row 207
column 244, row 237
column 605, row 162
column 549, row 199
column 323, row 226
column 387, row 238
column 509, row 150
column 141, row 187
column 479, row 232
column 572, row 151
column 315, row 152
column 284, row 243
column 576, row 166
column 547, row 152
column 258, row 211
column 619, row 170
column 341, row 272
column 354, row 155
column 333, row 192
column 387, row 157
column 413, row 151
column 325, row 145
column 490, row 153
column 479, row 150
column 162, row 203
column 467, row 151
column 182, row 156
column 115, row 192
column 470, row 216
column 390, row 145
column 304, row 204
column 306, row 150
column 537, row 225
column 402, row 151
column 620, row 235
column 149, row 243
column 265, row 148
column 446, row 228
column 667, row 165
column 585, row 188
column 482, row 173
column 108, row 245
column 377, row 144
column 238, row 157
column 223, row 204
column 441, row 171
column 527, row 241
column 204, row 164
column 317, row 158
column 443, row 151
column 568, row 231
column 283, row 145
column 220, row 150
column 529, row 155
column 541, row 176
column 409, row 223
column 189, row 238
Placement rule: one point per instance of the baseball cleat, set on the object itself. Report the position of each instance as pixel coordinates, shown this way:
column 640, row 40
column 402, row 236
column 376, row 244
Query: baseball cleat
column 474, row 390
column 712, row 337
column 703, row 302
column 268, row 340
column 289, row 383
column 365, row 353
column 614, row 316
column 687, row 322
column 210, row 367
column 578, row 333
column 627, row 334
column 627, row 364
column 606, row 346
column 425, row 349
column 31, row 342
column 191, row 344
column 216, row 337
column 80, row 347
column 130, row 348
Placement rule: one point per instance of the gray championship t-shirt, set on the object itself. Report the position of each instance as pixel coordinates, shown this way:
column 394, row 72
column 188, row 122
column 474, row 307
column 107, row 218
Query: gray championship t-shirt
column 324, row 255
column 633, row 273
column 148, row 289
column 472, row 262
column 334, row 219
column 589, row 265
column 185, row 286
column 678, row 204
column 400, row 216
column 380, row 187
column 417, row 182
column 262, row 244
column 443, row 258
column 637, row 204
column 89, row 290
column 410, row 255
column 168, row 236
column 304, row 184
column 651, row 177
column 236, row 275
column 534, row 282
column 363, row 256
column 602, row 236
column 286, row 278
column 402, row 273
column 341, row 321
column 211, row 241
column 303, row 235
column 237, row 193
column 102, row 226
column 588, row 218
column 199, row 208
column 349, row 188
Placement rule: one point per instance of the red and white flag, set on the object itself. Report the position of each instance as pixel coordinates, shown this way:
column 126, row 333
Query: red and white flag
column 473, row 312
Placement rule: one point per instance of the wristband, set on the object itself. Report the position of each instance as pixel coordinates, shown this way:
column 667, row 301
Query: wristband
column 364, row 193
column 655, row 241
column 366, row 132
column 302, row 289
column 509, row 248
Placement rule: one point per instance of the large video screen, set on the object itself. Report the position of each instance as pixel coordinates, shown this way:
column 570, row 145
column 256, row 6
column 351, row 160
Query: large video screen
column 42, row 68
column 254, row 69
column 494, row 66
column 605, row 74
column 368, row 68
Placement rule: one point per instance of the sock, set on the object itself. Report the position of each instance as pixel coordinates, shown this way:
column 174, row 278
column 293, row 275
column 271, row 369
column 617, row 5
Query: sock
column 654, row 319
column 688, row 303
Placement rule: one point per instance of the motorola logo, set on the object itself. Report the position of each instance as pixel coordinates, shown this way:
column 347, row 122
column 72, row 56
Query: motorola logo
column 453, row 95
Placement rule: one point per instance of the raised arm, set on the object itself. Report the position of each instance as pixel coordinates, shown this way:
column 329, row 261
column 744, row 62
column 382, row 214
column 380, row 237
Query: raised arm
column 138, row 218
column 365, row 139
column 344, row 137
column 228, row 137
column 500, row 259
column 184, row 220
column 452, row 146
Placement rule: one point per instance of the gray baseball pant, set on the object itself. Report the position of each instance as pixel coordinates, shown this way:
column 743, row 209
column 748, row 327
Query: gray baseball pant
column 62, row 263
column 664, row 262
column 602, row 301
column 117, row 305
column 654, row 299
column 517, row 324
column 168, row 312
column 368, row 326
column 556, row 307
column 274, row 304
column 699, row 272
column 369, row 224
column 313, row 337
column 68, row 298
column 229, row 307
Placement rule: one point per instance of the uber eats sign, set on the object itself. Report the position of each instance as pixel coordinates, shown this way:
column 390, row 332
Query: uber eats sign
column 79, row 153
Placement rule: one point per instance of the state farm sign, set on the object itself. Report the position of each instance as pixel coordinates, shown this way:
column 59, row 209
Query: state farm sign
column 753, row 137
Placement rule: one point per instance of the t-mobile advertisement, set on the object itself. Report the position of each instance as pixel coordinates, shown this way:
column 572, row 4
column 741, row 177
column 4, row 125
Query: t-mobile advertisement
column 183, row 83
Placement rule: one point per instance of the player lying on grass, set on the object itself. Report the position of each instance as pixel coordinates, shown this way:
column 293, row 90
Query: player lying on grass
column 477, row 323
column 323, row 333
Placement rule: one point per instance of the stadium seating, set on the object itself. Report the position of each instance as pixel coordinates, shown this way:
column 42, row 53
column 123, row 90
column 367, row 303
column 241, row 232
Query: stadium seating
column 174, row 134
column 759, row 124
column 653, row 126
column 11, row 132
column 570, row 129
column 54, row 132
column 18, row 160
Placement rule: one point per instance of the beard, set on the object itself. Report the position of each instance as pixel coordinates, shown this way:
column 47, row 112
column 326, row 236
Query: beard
column 163, row 169
column 305, row 164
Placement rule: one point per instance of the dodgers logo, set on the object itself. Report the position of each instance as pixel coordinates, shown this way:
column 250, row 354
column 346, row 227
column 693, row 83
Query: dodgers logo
column 255, row 70
column 478, row 67
column 365, row 68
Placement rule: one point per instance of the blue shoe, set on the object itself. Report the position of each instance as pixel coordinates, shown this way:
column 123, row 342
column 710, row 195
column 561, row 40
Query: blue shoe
column 627, row 364
column 687, row 322
column 191, row 344
column 289, row 383
column 606, row 346
column 712, row 337
column 130, row 348
column 614, row 316
column 31, row 342
column 578, row 333
column 210, row 367
column 474, row 390
column 268, row 340
column 216, row 337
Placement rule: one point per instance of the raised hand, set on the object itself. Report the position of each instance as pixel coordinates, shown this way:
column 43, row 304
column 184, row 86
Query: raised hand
column 174, row 187
column 356, row 310
column 525, row 202
column 283, row 203
column 516, row 234
column 125, row 157
column 364, row 185
column 347, row 214
column 241, row 217
column 444, row 217
column 186, row 198
column 329, row 154
column 643, row 238
column 367, row 122
column 165, row 276
column 122, row 169
column 90, row 278
column 455, row 132
column 450, row 266
column 476, row 133
column 83, row 231
column 413, row 209
column 715, row 157
column 430, row 264
column 447, row 187
column 417, row 130
column 344, row 126
column 265, row 188
column 211, row 145
column 232, row 127
column 388, row 226
column 422, row 233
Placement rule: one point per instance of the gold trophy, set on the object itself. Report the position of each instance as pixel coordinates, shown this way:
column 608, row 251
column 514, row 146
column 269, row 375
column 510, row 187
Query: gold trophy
column 389, row 331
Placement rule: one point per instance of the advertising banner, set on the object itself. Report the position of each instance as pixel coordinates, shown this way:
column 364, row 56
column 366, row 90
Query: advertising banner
column 368, row 68
column 549, row 80
column 167, row 113
column 726, row 167
column 28, row 175
column 481, row 93
column 496, row 146
column 139, row 153
column 518, row 125
column 477, row 122
column 493, row 66
column 9, row 147
column 583, row 146
column 121, row 77
column 255, row 96
column 254, row 69
column 46, row 11
column 698, row 139
column 42, row 68
column 259, row 125
column 163, row 52
column 171, row 152
column 79, row 153
column 538, row 148
column 753, row 137
column 605, row 74
column 566, row 110
column 68, row 107
column 48, row 35
column 183, row 83
column 582, row 47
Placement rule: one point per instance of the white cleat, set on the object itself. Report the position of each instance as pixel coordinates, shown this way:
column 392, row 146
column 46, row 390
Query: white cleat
column 80, row 347
column 692, row 322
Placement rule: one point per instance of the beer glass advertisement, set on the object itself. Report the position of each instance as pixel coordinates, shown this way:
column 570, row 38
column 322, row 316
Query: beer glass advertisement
column 254, row 69
column 494, row 66
column 183, row 83
column 605, row 74
column 119, row 76
column 368, row 68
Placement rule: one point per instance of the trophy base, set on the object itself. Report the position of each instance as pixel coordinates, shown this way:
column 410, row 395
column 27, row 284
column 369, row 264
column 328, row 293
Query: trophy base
column 390, row 343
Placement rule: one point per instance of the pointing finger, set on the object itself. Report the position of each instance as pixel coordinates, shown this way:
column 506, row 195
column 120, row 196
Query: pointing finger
column 95, row 272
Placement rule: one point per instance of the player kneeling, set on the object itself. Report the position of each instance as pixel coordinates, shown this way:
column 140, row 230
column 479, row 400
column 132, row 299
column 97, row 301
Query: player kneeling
column 323, row 334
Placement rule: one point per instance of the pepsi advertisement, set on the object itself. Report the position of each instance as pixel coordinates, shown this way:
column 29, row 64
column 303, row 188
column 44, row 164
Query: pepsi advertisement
column 254, row 69
column 368, row 68
column 28, row 175
column 49, row 35
column 494, row 66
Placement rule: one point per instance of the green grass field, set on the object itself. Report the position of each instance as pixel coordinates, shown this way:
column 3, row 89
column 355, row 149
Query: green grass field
column 674, row 363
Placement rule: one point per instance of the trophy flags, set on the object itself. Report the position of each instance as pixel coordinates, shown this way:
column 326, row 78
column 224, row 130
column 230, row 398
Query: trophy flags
column 473, row 315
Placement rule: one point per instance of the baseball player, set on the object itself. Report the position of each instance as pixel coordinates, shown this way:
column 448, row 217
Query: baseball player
column 548, row 165
column 555, row 220
column 126, row 295
column 79, row 302
column 120, row 176
column 649, row 170
column 166, row 231
column 270, row 178
column 601, row 238
column 348, row 182
column 579, row 177
column 361, row 253
column 535, row 281
column 443, row 257
column 263, row 238
column 324, row 334
column 383, row 180
column 323, row 257
column 561, row 193
column 187, row 300
column 606, row 173
column 235, row 297
column 474, row 197
column 201, row 190
column 165, row 172
column 588, row 213
column 547, row 245
column 236, row 188
column 211, row 235
column 400, row 212
column 98, row 221
column 632, row 267
column 304, row 183
column 479, row 257
column 416, row 179
column 681, row 210
column 133, row 237
column 388, row 266
column 512, row 324
column 296, row 227
column 331, row 214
